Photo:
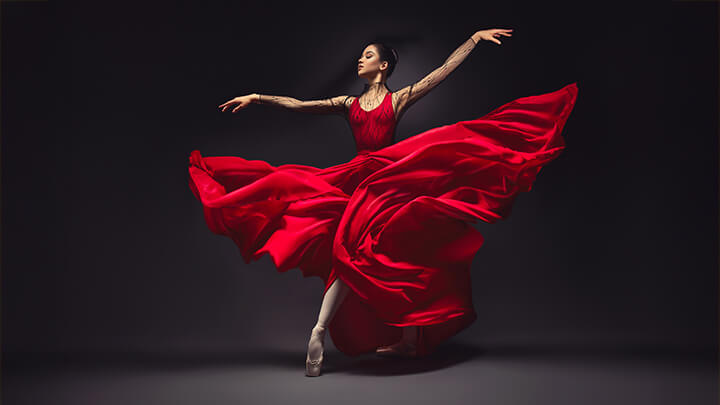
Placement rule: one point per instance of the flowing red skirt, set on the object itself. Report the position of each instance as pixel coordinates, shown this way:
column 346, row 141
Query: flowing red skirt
column 393, row 224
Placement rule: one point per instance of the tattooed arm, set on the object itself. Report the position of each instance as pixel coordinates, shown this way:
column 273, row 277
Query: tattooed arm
column 408, row 95
column 334, row 105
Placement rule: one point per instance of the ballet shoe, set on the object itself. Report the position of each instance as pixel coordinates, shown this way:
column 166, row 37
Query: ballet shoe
column 399, row 349
column 313, row 368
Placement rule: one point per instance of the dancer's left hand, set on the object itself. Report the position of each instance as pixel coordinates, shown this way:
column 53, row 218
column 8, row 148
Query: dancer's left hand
column 492, row 34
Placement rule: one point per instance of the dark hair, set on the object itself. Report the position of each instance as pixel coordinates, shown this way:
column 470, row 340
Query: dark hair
column 387, row 53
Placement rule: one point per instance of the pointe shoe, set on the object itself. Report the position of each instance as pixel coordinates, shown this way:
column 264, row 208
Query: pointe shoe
column 399, row 349
column 313, row 367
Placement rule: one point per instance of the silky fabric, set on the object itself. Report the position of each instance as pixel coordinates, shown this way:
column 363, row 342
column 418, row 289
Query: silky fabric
column 394, row 222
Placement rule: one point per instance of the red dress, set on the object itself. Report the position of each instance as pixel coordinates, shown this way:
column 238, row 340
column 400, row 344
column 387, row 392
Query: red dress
column 394, row 222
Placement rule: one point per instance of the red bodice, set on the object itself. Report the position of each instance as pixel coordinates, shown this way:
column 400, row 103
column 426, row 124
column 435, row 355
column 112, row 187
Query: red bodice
column 374, row 129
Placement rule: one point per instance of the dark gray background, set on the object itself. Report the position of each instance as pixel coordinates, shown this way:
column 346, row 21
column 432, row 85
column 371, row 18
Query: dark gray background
column 105, row 249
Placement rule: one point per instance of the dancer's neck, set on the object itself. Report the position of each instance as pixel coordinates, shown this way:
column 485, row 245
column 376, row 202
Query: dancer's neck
column 376, row 88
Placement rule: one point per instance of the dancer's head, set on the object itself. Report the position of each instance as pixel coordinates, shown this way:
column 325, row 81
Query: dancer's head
column 377, row 62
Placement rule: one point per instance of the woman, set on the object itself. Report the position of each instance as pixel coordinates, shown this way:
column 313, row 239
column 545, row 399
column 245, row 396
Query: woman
column 388, row 231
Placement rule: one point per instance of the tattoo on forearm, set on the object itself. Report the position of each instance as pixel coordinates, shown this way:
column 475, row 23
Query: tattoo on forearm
column 323, row 106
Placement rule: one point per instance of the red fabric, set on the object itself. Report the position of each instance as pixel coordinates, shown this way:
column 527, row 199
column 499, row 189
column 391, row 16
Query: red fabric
column 394, row 223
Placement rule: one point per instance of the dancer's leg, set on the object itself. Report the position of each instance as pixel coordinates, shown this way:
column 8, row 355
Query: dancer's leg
column 410, row 335
column 330, row 304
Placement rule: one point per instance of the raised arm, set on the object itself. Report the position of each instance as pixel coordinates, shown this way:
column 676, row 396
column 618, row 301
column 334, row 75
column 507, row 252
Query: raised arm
column 408, row 95
column 334, row 105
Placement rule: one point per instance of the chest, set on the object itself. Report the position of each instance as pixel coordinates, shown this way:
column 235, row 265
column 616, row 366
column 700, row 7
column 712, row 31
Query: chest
column 382, row 114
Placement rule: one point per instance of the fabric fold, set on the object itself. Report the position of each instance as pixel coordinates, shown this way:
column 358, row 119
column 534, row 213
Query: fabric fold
column 394, row 224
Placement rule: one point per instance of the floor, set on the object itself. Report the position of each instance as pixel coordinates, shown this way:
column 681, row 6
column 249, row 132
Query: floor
column 456, row 373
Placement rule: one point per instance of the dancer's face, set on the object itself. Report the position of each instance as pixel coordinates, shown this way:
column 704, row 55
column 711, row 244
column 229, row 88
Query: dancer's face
column 369, row 64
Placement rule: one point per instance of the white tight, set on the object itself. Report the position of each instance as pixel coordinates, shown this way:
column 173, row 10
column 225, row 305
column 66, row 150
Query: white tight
column 334, row 296
column 331, row 302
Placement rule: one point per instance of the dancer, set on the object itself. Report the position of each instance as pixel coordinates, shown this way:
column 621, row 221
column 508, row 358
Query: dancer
column 389, row 232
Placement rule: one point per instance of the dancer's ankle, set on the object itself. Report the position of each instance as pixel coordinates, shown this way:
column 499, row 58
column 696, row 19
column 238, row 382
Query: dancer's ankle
column 319, row 331
column 410, row 335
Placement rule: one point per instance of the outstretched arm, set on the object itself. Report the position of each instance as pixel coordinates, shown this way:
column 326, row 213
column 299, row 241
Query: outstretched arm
column 334, row 105
column 408, row 95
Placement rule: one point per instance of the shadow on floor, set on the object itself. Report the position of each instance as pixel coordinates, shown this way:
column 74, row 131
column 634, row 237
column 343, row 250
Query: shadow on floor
column 447, row 355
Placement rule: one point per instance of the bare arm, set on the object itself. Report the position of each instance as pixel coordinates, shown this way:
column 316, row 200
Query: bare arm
column 408, row 95
column 334, row 105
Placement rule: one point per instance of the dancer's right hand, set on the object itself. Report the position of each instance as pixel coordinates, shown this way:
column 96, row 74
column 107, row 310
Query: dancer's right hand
column 241, row 102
